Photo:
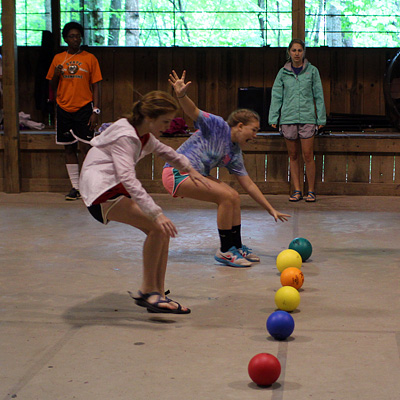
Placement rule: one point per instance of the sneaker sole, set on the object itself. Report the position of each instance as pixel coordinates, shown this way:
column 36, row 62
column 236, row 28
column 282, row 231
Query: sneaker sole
column 231, row 264
column 252, row 261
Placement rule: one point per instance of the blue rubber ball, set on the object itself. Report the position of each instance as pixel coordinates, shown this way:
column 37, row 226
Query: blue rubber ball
column 302, row 246
column 280, row 325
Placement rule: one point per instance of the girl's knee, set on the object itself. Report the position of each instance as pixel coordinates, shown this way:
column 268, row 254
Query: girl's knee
column 308, row 157
column 230, row 196
column 158, row 234
column 235, row 197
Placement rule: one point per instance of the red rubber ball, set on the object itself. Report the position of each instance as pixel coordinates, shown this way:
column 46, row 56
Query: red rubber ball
column 264, row 369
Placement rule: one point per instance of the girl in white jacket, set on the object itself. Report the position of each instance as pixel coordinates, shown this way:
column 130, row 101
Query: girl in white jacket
column 111, row 191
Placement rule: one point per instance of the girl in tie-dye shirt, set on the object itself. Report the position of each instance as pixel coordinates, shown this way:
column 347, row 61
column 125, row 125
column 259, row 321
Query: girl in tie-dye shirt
column 217, row 143
column 211, row 146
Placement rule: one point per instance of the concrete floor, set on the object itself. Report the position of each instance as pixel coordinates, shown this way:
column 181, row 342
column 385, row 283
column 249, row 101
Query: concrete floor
column 70, row 331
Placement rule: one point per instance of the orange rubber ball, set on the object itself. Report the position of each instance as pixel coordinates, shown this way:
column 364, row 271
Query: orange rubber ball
column 292, row 277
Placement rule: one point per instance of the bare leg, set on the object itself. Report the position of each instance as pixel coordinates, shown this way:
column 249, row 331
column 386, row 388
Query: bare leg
column 155, row 263
column 71, row 156
column 226, row 198
column 84, row 148
column 293, row 151
column 71, row 152
column 228, row 214
column 307, row 146
column 155, row 249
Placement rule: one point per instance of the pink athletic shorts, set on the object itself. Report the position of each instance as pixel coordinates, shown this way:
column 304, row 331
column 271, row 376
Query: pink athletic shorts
column 172, row 179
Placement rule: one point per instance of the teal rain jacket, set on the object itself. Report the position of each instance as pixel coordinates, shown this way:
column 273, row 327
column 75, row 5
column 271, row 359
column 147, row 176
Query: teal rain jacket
column 297, row 99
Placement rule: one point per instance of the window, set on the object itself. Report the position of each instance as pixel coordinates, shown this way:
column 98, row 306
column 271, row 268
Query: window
column 32, row 17
column 196, row 23
column 353, row 23
column 215, row 23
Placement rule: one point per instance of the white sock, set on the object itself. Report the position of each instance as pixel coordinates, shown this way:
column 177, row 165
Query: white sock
column 73, row 173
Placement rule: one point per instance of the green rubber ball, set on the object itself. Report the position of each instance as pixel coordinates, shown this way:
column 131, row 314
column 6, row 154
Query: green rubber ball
column 302, row 246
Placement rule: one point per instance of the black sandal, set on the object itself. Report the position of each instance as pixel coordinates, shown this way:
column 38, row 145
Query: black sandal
column 296, row 196
column 311, row 197
column 141, row 301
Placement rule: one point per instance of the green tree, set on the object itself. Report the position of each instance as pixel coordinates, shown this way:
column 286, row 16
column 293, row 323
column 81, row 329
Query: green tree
column 247, row 23
column 114, row 22
column 132, row 22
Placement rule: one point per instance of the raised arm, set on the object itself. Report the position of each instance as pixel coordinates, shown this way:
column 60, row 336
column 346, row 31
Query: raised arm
column 180, row 88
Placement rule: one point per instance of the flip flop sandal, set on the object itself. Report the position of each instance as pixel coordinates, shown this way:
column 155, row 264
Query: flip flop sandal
column 141, row 301
column 311, row 197
column 296, row 196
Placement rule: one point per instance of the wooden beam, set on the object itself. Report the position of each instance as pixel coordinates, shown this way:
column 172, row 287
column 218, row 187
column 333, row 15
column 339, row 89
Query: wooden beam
column 12, row 177
column 56, row 24
column 298, row 19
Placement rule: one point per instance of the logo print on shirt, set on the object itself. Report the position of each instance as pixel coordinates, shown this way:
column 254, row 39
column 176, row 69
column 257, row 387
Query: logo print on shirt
column 73, row 69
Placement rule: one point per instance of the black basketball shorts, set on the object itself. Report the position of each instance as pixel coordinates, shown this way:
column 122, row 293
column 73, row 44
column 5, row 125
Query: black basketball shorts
column 73, row 127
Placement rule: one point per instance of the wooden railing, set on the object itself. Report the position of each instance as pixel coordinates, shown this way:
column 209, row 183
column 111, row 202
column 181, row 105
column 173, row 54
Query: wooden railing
column 346, row 164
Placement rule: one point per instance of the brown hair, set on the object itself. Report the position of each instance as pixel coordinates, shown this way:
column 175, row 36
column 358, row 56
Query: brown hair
column 242, row 115
column 152, row 105
column 298, row 41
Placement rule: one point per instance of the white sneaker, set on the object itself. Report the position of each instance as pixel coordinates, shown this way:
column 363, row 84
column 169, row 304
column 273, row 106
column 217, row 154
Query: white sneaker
column 232, row 257
column 248, row 255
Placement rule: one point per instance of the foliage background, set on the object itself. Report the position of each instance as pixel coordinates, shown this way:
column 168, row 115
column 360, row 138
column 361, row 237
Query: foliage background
column 216, row 23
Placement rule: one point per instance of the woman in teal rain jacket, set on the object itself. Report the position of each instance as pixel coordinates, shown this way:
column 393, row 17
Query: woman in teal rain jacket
column 297, row 103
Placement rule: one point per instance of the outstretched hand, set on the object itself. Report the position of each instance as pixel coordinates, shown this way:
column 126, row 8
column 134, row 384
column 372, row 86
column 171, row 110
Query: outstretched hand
column 179, row 85
column 166, row 225
column 278, row 215
column 196, row 177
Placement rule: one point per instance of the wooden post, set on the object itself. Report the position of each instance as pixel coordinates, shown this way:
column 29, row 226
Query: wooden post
column 298, row 19
column 12, row 182
column 55, row 24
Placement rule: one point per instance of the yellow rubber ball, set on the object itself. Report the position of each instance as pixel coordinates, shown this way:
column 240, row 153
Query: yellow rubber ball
column 287, row 298
column 287, row 259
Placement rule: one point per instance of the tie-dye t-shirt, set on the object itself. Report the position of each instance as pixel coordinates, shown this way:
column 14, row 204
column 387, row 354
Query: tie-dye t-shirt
column 211, row 146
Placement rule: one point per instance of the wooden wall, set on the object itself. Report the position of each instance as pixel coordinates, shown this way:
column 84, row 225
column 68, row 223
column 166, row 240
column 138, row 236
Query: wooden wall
column 352, row 78
column 346, row 164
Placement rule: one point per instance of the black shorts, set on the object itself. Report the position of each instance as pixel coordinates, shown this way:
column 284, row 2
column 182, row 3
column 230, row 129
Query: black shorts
column 97, row 211
column 73, row 127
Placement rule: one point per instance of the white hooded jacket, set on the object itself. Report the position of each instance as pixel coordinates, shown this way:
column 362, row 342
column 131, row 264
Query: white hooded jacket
column 112, row 160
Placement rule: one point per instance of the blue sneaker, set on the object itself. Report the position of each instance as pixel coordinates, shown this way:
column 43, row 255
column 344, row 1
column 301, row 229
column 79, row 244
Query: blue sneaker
column 232, row 258
column 248, row 255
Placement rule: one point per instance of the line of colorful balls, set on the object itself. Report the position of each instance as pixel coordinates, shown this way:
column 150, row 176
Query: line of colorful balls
column 264, row 368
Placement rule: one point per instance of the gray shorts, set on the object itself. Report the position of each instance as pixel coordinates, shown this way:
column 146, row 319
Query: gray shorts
column 296, row 131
